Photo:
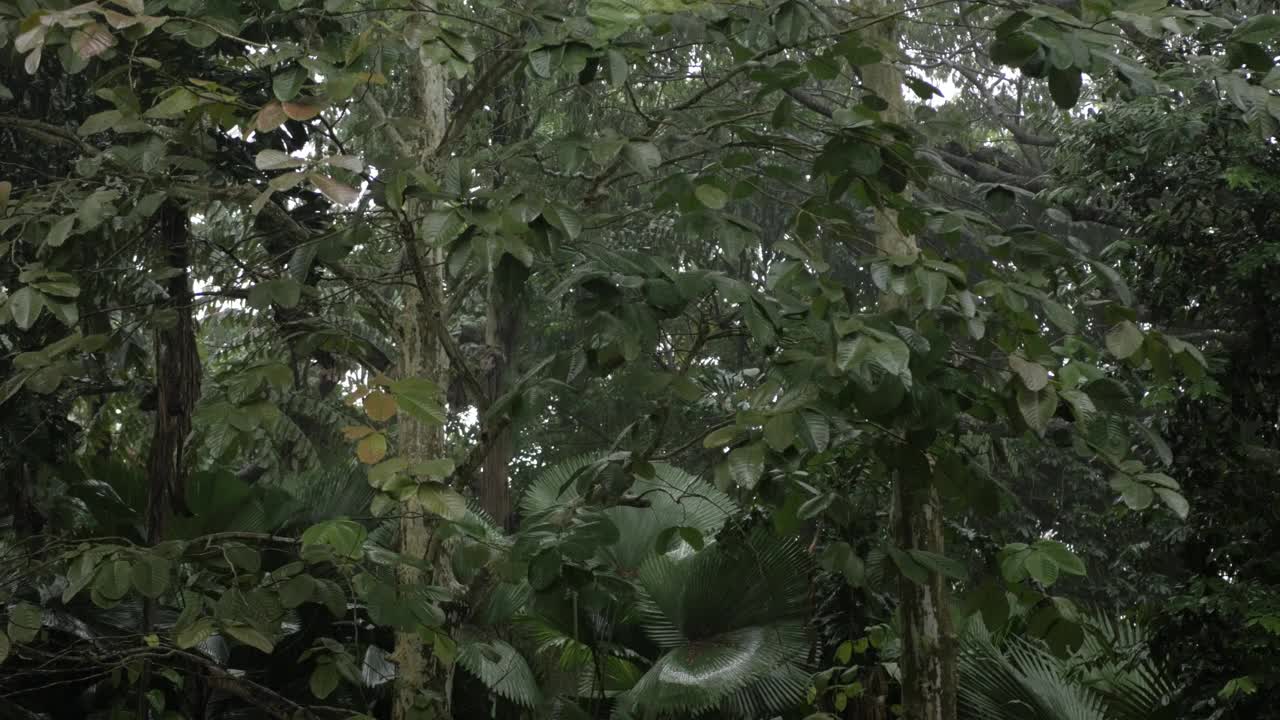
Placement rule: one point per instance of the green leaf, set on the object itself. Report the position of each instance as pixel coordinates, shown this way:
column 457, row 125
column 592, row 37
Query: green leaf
column 150, row 575
column 1014, row 49
column 844, row 653
column 540, row 63
column 113, row 579
column 1059, row 316
column 643, row 157
column 720, row 437
column 619, row 68
column 442, row 500
column 1176, row 502
column 297, row 590
column 438, row 468
column 1067, row 560
column 780, row 432
column 544, row 570
column 99, row 122
column 387, row 470
column 286, row 85
column 839, row 557
column 1034, row 376
column 5, row 646
column 79, row 575
column 711, row 196
column 420, row 398
column 782, row 113
column 746, row 465
column 1064, row 86
column 1257, row 29
column 24, row 622
column 692, row 536
column 1117, row 283
column 25, row 306
column 933, row 287
column 1137, row 496
column 345, row 536
column 910, row 569
column 940, row 564
column 1013, row 559
column 1158, row 479
column 992, row 601
column 243, row 557
column 59, row 231
column 331, row 595
column 250, row 636
column 324, row 680
column 1157, row 443
column 1042, row 568
column 1124, row 339
column 817, row 429
column 175, row 104
column 563, row 218
column 1037, row 407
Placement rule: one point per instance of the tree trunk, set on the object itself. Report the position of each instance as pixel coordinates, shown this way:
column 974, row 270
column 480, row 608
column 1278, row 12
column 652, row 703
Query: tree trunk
column 503, row 320
column 420, row 356
column 502, row 326
column 177, row 389
column 928, row 637
column 177, row 381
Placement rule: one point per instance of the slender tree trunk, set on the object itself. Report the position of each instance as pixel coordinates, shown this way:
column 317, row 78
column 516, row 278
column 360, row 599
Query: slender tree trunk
column 502, row 326
column 420, row 356
column 928, row 636
column 177, row 389
column 503, row 320
column 177, row 381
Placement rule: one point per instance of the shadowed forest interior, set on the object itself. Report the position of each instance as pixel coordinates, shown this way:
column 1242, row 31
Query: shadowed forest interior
column 639, row 359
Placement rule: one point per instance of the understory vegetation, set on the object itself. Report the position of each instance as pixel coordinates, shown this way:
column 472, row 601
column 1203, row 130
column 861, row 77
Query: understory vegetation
column 652, row 359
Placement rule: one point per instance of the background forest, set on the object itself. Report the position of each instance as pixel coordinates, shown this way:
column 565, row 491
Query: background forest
column 639, row 359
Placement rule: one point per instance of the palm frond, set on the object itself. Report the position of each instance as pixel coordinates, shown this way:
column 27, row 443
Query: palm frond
column 502, row 669
column 1019, row 682
column 719, row 652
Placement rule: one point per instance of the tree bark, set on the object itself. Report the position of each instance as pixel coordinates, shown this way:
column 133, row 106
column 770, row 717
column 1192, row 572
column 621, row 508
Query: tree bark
column 177, row 380
column 177, row 389
column 421, row 356
column 928, row 638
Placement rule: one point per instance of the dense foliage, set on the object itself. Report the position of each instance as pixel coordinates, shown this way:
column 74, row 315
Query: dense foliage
column 638, row 359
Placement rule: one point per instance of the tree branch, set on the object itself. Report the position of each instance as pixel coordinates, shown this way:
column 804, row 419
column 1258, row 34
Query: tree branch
column 48, row 133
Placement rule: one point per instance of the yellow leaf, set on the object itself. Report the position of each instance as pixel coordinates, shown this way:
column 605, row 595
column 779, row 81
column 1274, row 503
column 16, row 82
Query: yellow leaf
column 372, row 448
column 355, row 432
column 380, row 380
column 380, row 406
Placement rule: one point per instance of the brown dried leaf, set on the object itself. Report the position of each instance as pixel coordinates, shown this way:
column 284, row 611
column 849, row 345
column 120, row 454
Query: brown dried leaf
column 270, row 117
column 339, row 192
column 380, row 406
column 92, row 40
column 355, row 432
column 303, row 109
column 372, row 448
